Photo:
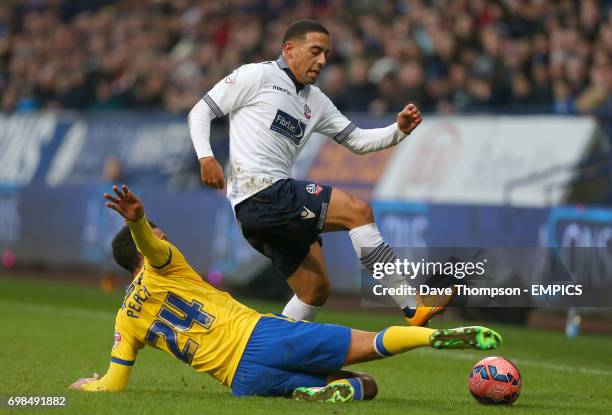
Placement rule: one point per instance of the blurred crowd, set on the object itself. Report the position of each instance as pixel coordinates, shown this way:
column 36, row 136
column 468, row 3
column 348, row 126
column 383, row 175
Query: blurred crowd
column 445, row 55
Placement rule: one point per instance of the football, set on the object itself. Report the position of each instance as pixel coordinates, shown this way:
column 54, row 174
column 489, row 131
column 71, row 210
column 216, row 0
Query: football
column 495, row 381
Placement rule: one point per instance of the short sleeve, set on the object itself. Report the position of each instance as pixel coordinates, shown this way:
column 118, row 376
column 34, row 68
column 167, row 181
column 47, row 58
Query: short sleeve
column 333, row 123
column 235, row 90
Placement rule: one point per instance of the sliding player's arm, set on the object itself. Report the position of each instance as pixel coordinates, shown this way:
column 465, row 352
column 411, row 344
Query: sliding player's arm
column 229, row 94
column 362, row 141
column 116, row 378
column 157, row 252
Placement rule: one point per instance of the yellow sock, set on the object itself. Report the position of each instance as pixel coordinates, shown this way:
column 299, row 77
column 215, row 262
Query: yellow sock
column 399, row 339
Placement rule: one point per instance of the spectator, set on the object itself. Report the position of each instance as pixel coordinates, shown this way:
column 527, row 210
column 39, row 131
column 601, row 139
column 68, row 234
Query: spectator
column 521, row 93
column 412, row 84
column 105, row 99
column 333, row 82
column 563, row 102
column 360, row 92
column 453, row 56
column 599, row 91
column 111, row 170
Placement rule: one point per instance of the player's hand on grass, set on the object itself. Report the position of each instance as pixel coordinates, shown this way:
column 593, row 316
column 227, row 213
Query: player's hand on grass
column 80, row 382
column 409, row 118
column 212, row 173
column 128, row 205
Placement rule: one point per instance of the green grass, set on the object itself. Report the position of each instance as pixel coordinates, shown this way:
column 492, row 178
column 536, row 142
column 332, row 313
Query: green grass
column 52, row 334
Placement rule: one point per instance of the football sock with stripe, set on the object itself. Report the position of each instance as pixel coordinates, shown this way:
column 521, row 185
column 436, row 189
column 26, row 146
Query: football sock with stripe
column 368, row 236
column 399, row 339
column 299, row 310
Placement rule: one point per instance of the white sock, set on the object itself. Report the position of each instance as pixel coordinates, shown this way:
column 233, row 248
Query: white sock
column 367, row 236
column 299, row 310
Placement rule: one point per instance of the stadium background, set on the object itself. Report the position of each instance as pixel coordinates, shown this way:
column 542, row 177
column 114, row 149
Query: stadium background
column 515, row 149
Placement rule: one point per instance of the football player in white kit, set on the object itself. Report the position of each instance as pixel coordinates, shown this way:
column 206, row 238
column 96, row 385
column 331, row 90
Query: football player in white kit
column 273, row 109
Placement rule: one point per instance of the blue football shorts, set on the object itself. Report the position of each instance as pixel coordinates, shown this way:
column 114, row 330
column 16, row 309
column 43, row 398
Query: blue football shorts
column 283, row 354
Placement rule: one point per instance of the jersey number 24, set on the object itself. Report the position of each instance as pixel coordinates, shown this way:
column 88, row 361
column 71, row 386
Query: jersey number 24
column 177, row 315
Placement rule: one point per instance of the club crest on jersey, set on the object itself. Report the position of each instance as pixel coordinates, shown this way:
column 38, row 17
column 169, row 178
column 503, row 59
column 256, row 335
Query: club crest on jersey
column 314, row 189
column 117, row 339
column 307, row 111
column 288, row 126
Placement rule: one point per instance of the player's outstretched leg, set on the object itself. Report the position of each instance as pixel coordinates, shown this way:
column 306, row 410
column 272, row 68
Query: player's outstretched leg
column 397, row 339
column 367, row 346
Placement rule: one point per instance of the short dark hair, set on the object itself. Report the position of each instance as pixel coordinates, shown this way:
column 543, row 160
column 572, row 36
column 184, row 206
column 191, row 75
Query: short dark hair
column 125, row 253
column 300, row 28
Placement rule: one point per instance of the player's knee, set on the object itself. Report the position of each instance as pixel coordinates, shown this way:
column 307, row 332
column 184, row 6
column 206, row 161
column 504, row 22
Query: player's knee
column 316, row 294
column 362, row 211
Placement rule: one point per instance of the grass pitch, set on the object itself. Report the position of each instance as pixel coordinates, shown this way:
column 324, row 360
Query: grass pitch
column 53, row 333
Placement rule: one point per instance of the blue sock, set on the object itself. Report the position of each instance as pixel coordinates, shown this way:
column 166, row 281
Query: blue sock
column 358, row 386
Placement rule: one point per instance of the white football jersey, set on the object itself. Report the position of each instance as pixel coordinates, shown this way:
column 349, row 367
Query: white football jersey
column 271, row 119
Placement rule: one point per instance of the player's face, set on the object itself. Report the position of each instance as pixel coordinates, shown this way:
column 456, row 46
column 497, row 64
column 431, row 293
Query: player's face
column 306, row 57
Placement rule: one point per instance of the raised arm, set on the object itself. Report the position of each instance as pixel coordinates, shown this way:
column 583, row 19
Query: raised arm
column 363, row 141
column 157, row 252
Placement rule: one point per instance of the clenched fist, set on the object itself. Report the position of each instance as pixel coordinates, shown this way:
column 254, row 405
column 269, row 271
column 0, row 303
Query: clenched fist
column 409, row 118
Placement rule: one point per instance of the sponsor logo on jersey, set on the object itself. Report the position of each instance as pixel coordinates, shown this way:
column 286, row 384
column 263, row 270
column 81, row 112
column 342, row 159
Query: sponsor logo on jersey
column 288, row 126
column 314, row 189
column 307, row 111
column 281, row 89
column 117, row 339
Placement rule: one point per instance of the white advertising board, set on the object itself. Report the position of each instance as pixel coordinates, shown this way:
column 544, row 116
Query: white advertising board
column 474, row 159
